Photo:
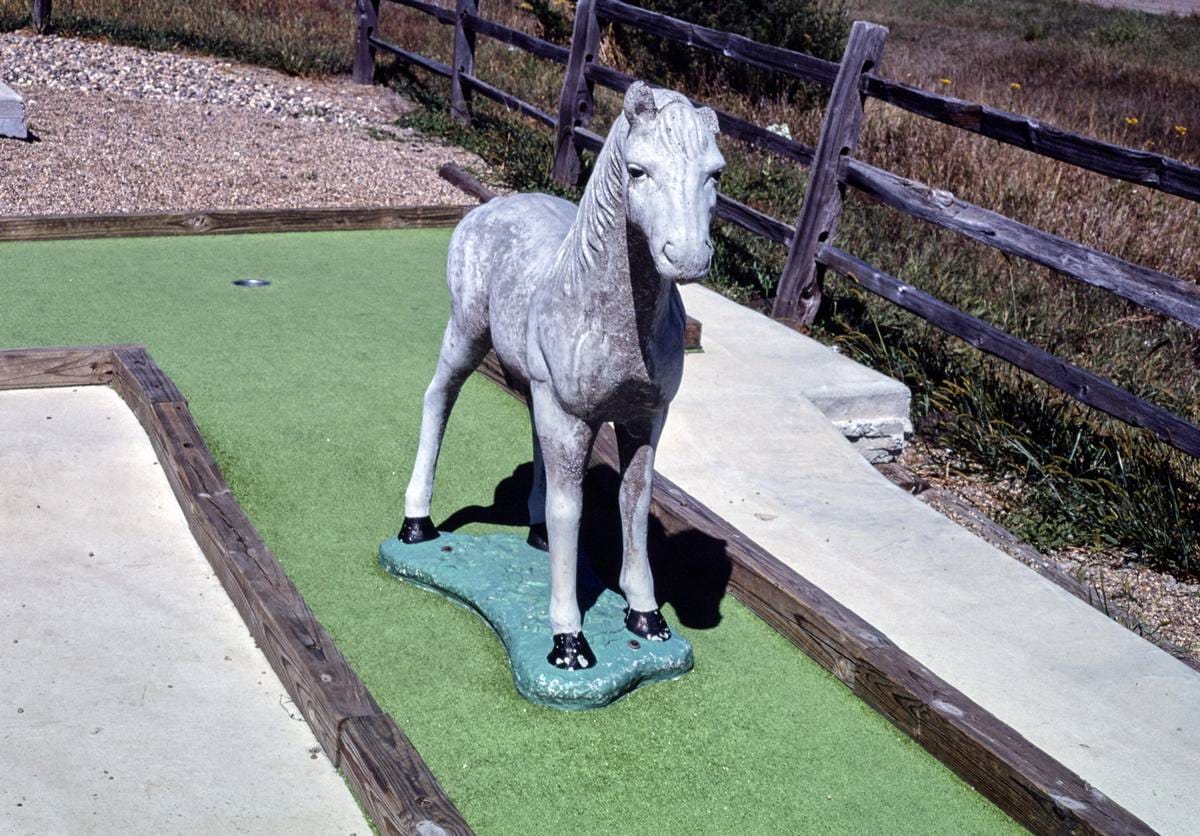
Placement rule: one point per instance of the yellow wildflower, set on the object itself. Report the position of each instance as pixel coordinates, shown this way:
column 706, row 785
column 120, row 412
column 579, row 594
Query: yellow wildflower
column 945, row 81
column 1016, row 85
column 1131, row 120
column 1181, row 130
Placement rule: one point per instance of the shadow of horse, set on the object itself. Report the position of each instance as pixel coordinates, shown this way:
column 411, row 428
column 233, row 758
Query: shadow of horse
column 691, row 569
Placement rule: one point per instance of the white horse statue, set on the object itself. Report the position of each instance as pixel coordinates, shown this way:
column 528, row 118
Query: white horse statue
column 581, row 307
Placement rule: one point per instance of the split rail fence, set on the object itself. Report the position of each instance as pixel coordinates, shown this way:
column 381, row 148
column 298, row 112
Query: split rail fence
column 834, row 168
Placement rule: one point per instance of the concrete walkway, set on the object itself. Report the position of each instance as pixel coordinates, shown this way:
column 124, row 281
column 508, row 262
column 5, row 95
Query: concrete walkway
column 133, row 698
column 1107, row 704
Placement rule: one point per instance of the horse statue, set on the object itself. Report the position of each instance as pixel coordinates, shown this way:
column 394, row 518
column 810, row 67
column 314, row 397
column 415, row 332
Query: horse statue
column 581, row 307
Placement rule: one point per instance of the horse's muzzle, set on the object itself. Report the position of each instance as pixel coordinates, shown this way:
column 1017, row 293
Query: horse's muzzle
column 689, row 265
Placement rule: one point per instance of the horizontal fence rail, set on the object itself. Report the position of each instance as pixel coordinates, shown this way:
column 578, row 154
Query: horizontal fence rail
column 1130, row 164
column 413, row 58
column 741, row 49
column 1080, row 384
column 799, row 289
column 1160, row 292
column 515, row 37
column 447, row 16
column 509, row 101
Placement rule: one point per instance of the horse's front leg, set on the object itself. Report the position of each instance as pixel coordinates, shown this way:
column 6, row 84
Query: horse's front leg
column 566, row 443
column 636, row 443
column 463, row 349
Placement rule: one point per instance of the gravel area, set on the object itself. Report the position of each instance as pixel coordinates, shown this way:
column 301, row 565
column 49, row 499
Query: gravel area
column 121, row 129
column 1166, row 610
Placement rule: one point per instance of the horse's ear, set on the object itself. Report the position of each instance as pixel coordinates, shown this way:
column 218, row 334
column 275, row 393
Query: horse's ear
column 708, row 118
column 639, row 103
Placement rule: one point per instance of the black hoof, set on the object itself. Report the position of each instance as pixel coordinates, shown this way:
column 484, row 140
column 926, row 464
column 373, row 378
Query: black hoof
column 417, row 530
column 571, row 652
column 649, row 625
column 539, row 538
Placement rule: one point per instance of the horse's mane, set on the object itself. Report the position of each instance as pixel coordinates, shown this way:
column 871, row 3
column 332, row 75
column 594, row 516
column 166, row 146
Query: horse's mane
column 602, row 204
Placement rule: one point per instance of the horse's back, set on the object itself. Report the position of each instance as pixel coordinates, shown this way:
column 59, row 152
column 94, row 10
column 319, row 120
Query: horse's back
column 498, row 253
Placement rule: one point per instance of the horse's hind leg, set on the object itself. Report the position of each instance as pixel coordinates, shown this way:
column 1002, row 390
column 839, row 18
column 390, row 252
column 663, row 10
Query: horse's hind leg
column 539, row 538
column 461, row 354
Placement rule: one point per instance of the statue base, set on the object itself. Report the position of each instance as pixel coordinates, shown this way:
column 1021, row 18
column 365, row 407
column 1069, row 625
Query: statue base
column 507, row 583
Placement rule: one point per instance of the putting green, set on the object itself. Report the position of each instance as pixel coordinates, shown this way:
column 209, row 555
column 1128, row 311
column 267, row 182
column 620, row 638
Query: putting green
column 308, row 392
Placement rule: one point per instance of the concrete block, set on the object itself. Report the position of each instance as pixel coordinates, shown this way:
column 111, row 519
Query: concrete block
column 870, row 409
column 13, row 118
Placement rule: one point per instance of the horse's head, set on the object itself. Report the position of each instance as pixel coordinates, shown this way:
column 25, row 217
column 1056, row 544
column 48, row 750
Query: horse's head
column 672, row 165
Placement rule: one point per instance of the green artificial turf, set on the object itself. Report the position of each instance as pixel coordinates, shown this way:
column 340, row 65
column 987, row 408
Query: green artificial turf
column 309, row 394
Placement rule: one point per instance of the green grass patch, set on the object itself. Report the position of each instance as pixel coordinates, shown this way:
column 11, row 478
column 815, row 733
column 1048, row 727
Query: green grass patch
column 309, row 394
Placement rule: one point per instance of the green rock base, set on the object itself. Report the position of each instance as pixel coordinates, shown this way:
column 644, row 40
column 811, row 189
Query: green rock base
column 507, row 582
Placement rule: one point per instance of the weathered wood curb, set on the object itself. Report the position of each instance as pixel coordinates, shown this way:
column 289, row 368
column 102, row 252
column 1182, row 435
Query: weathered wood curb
column 226, row 221
column 1018, row 777
column 385, row 771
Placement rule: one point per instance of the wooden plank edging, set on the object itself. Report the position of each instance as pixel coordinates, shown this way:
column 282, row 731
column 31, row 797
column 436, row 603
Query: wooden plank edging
column 31, row 368
column 226, row 221
column 1021, row 779
column 385, row 771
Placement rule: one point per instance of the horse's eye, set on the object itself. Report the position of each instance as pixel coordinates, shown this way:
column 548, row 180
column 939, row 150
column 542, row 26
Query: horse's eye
column 637, row 172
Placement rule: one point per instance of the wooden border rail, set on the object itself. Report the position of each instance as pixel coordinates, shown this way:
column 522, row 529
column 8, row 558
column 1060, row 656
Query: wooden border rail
column 226, row 222
column 834, row 169
column 386, row 772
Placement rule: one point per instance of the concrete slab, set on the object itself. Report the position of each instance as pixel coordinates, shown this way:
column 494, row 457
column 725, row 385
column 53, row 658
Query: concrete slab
column 869, row 408
column 13, row 119
column 134, row 699
column 744, row 440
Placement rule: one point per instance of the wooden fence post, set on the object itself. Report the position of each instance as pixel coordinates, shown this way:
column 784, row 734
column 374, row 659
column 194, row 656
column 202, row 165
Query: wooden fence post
column 464, row 62
column 364, row 53
column 41, row 16
column 799, row 293
column 575, row 105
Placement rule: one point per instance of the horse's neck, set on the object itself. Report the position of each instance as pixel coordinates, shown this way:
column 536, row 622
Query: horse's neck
column 602, row 257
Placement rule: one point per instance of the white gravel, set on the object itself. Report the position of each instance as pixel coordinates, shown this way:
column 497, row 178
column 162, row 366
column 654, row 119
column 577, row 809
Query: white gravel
column 121, row 129
column 33, row 61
